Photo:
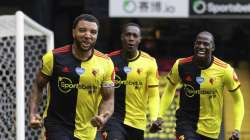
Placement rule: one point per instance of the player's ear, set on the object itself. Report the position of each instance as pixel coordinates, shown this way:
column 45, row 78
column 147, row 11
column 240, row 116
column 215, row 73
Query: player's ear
column 140, row 38
column 213, row 46
column 73, row 33
column 122, row 36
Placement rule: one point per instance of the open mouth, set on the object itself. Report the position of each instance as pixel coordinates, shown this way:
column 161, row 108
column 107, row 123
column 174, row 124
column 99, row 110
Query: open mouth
column 201, row 52
column 85, row 43
column 131, row 45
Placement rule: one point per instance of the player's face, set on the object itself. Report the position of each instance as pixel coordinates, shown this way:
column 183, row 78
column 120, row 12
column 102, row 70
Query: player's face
column 131, row 38
column 85, row 35
column 203, row 46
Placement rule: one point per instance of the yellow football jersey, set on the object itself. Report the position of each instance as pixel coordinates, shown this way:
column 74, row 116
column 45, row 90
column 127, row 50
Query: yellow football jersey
column 74, row 89
column 133, row 80
column 201, row 94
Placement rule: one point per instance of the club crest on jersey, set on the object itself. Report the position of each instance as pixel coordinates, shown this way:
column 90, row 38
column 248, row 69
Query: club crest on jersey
column 139, row 70
column 199, row 80
column 211, row 80
column 79, row 70
column 94, row 72
column 127, row 69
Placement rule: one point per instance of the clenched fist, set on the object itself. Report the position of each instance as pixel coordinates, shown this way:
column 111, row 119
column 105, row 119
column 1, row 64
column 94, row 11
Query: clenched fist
column 99, row 120
column 35, row 121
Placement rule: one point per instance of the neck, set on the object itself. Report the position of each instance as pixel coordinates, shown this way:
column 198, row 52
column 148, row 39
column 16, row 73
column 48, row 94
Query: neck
column 129, row 55
column 80, row 54
column 203, row 63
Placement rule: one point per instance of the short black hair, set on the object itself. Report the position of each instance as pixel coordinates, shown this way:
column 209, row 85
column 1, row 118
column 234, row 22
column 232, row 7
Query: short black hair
column 87, row 17
column 208, row 33
column 130, row 24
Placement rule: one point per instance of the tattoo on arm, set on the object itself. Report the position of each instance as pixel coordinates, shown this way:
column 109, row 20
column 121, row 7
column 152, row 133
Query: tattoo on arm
column 37, row 91
column 107, row 103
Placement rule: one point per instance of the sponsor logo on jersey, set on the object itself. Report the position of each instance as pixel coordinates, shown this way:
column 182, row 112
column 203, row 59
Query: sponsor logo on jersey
column 65, row 85
column 127, row 69
column 199, row 79
column 79, row 70
column 190, row 91
column 119, row 82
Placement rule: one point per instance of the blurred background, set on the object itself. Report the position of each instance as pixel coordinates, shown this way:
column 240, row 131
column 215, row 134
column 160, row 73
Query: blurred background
column 169, row 28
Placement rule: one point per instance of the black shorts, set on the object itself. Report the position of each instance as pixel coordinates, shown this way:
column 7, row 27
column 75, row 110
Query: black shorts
column 57, row 132
column 116, row 130
column 190, row 134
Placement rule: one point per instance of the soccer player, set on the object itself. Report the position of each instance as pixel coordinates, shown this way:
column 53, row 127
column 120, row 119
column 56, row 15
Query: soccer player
column 136, row 87
column 80, row 81
column 203, row 77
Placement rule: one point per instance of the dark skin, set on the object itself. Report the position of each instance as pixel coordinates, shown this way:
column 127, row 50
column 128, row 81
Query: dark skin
column 203, row 49
column 35, row 99
column 85, row 36
column 131, row 38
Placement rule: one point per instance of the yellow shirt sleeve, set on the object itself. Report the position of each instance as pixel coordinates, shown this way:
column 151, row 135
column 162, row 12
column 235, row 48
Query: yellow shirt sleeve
column 231, row 79
column 153, row 91
column 109, row 75
column 233, row 85
column 47, row 63
column 168, row 95
column 173, row 75
column 238, row 108
column 153, row 76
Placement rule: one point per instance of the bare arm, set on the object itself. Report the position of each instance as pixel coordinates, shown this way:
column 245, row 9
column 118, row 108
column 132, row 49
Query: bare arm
column 107, row 103
column 35, row 98
column 106, row 107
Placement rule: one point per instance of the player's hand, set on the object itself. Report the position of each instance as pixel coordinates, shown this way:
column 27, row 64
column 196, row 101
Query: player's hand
column 156, row 126
column 99, row 120
column 235, row 135
column 35, row 121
